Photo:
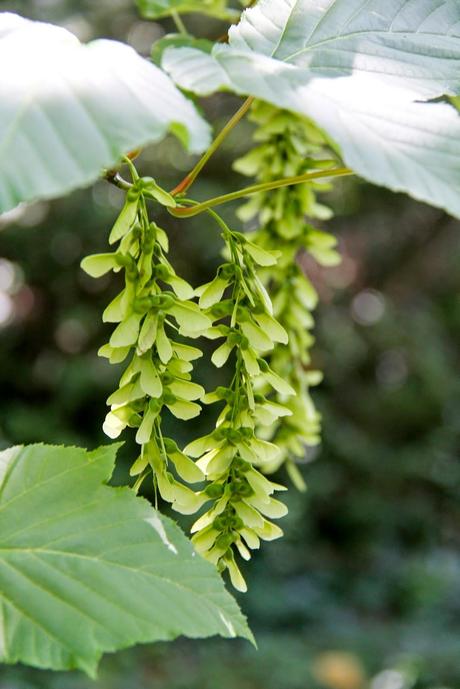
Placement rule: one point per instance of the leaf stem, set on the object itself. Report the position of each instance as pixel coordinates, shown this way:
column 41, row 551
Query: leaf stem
column 187, row 182
column 186, row 212
column 179, row 23
column 114, row 177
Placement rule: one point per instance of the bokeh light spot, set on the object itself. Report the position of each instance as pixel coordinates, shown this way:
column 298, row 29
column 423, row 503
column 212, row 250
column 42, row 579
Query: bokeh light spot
column 368, row 307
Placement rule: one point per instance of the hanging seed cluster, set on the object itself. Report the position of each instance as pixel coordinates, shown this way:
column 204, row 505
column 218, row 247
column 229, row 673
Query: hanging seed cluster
column 289, row 145
column 232, row 455
column 267, row 416
column 152, row 315
column 153, row 309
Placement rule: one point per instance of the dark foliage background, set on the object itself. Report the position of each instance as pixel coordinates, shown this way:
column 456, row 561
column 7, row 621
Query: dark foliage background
column 364, row 591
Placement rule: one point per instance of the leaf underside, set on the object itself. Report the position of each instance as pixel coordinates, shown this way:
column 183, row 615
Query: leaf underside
column 72, row 109
column 363, row 70
column 87, row 569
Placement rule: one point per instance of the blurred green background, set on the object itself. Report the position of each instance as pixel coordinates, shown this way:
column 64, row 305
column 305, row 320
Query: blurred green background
column 364, row 590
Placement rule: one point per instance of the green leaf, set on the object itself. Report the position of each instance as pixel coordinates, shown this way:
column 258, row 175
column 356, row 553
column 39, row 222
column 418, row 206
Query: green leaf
column 87, row 569
column 175, row 40
column 364, row 72
column 155, row 9
column 75, row 109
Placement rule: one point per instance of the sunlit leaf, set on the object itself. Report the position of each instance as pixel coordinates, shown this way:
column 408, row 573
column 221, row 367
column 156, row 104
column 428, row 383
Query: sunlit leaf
column 363, row 70
column 69, row 110
column 87, row 569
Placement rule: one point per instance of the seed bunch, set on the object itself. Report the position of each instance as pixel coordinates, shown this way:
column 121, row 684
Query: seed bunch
column 267, row 415
column 232, row 455
column 153, row 312
column 290, row 145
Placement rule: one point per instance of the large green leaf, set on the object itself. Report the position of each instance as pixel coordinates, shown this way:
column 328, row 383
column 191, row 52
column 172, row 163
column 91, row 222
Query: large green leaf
column 156, row 9
column 68, row 110
column 361, row 69
column 86, row 568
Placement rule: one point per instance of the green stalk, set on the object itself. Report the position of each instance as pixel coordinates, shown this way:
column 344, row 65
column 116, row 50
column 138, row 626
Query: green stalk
column 187, row 182
column 179, row 23
column 181, row 212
